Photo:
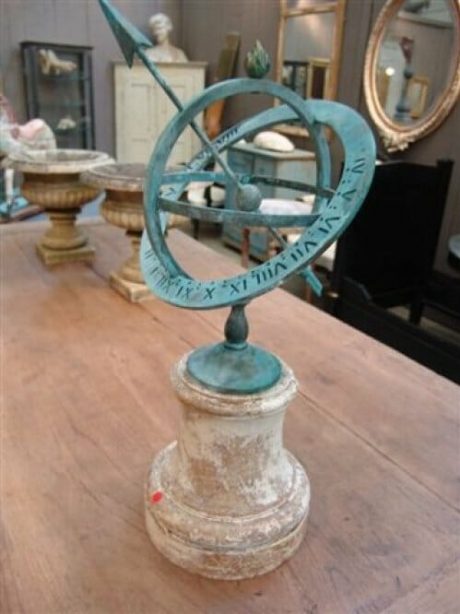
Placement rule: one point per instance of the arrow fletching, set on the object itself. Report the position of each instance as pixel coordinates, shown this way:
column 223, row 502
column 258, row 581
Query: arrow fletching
column 129, row 38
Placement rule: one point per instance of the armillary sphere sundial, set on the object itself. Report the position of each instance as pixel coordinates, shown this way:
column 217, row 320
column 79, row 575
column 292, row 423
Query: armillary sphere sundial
column 227, row 500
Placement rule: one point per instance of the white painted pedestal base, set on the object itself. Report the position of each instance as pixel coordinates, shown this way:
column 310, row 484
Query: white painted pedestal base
column 226, row 500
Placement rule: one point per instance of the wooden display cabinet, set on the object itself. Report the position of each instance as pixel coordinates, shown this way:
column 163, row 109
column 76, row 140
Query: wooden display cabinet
column 59, row 89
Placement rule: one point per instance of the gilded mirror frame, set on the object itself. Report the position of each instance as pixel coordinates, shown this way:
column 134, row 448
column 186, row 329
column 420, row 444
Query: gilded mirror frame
column 397, row 137
column 313, row 8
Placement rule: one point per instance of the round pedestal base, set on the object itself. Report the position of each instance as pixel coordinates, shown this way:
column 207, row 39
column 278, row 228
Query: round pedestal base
column 63, row 234
column 226, row 500
column 226, row 548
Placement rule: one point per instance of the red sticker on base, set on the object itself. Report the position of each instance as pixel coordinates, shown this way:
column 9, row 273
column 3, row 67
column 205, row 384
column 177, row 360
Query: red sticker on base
column 156, row 497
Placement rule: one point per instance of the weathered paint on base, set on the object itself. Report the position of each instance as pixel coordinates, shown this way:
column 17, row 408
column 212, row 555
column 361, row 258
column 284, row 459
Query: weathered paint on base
column 226, row 500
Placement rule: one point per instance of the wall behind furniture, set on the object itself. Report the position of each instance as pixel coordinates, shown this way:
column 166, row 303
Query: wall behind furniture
column 78, row 22
column 205, row 23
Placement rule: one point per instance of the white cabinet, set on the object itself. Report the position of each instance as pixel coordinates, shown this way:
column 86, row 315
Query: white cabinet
column 142, row 109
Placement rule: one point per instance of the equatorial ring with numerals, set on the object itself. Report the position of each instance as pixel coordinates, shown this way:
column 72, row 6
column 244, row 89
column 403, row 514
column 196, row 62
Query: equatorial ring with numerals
column 332, row 212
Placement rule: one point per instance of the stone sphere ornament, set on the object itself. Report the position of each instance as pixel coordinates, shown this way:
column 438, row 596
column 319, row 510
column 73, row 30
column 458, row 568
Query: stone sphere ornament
column 227, row 500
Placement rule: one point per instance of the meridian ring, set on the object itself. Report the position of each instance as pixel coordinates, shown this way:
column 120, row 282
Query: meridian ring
column 162, row 273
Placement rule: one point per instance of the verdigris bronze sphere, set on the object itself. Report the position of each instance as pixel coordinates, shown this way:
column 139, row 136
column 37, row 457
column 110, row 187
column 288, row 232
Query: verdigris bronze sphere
column 248, row 198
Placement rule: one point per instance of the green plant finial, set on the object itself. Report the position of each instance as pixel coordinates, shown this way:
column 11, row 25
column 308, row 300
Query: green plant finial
column 257, row 63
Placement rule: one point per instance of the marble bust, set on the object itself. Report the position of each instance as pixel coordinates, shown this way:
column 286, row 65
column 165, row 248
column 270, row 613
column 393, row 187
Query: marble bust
column 163, row 51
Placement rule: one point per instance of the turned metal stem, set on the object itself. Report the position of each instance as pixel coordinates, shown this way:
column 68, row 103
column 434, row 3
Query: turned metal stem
column 236, row 328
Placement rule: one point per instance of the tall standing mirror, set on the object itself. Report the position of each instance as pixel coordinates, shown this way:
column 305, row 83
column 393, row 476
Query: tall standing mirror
column 412, row 68
column 309, row 45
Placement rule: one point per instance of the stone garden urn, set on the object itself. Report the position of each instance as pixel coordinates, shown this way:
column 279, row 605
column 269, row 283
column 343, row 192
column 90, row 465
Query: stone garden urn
column 52, row 181
column 123, row 207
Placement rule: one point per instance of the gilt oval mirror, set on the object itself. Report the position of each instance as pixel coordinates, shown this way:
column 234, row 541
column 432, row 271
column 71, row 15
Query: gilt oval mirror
column 412, row 68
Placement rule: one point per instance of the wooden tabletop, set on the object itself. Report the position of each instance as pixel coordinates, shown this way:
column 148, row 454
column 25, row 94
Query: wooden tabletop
column 87, row 404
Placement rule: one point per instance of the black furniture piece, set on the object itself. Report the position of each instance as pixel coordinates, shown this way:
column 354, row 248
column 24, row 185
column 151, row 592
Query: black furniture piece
column 454, row 252
column 385, row 259
column 59, row 89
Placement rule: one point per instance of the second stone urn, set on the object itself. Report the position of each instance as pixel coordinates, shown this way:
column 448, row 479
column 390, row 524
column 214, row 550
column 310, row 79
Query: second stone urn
column 123, row 207
column 52, row 181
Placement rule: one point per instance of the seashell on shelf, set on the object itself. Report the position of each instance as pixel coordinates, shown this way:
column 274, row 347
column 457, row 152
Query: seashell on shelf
column 274, row 141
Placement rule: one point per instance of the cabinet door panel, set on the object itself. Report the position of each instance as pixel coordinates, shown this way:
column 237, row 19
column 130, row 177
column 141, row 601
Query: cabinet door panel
column 240, row 162
column 185, row 86
column 298, row 168
column 264, row 166
column 136, row 99
column 268, row 168
column 259, row 243
column 143, row 110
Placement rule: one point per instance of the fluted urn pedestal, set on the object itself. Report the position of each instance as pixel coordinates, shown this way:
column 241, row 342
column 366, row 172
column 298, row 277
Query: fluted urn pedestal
column 123, row 207
column 52, row 181
column 227, row 500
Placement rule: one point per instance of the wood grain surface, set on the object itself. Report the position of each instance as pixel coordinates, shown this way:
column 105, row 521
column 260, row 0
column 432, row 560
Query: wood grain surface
column 86, row 403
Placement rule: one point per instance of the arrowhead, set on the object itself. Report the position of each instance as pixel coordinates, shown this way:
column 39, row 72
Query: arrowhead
column 129, row 38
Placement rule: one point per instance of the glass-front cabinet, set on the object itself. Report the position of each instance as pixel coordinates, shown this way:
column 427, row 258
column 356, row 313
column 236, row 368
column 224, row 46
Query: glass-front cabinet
column 59, row 90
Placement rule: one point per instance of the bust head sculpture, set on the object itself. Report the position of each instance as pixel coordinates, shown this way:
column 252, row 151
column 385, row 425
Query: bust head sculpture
column 160, row 26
